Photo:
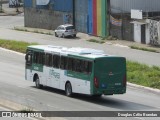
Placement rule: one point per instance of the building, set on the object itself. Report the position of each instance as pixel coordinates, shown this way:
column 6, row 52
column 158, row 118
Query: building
column 95, row 17
column 47, row 14
column 124, row 26
column 88, row 16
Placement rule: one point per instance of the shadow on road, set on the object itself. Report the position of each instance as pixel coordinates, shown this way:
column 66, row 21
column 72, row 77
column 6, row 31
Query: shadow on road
column 104, row 101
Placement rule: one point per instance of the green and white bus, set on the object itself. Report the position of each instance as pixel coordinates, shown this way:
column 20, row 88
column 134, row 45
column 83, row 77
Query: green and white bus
column 76, row 70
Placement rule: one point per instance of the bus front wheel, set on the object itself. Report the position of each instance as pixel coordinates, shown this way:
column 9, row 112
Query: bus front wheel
column 68, row 89
column 37, row 83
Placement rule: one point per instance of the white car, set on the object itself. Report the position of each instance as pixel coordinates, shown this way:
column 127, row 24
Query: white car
column 65, row 31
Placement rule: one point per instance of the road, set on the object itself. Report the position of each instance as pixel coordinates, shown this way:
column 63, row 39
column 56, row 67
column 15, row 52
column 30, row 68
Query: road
column 6, row 32
column 14, row 87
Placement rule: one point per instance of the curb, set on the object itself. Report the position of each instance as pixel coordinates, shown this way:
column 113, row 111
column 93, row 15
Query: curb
column 144, row 88
column 11, row 105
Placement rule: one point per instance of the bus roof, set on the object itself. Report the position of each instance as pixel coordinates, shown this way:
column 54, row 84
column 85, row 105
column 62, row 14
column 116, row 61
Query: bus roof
column 75, row 51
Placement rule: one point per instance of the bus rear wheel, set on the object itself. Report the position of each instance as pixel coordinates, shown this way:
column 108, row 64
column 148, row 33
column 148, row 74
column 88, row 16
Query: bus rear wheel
column 68, row 89
column 37, row 83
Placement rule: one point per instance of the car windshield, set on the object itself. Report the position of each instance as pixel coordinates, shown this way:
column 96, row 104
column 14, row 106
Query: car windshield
column 69, row 27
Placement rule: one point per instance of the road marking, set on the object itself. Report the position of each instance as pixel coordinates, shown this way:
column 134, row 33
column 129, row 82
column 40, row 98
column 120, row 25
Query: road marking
column 33, row 90
column 28, row 88
column 31, row 100
column 4, row 109
column 21, row 86
column 52, row 106
column 12, row 51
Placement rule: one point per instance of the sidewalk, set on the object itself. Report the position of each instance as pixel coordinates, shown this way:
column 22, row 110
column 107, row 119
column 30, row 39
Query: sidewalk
column 122, row 43
column 7, row 11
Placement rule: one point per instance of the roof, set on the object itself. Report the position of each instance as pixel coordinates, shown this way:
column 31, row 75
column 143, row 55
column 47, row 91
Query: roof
column 76, row 51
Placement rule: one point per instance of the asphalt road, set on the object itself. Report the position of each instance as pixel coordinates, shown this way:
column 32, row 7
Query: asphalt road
column 7, row 24
column 14, row 87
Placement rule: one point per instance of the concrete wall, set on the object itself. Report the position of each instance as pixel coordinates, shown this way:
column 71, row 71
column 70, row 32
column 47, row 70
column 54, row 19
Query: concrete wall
column 46, row 19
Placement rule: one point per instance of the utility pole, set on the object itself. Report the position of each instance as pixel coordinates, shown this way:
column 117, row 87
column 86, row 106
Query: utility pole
column 73, row 13
column 108, row 15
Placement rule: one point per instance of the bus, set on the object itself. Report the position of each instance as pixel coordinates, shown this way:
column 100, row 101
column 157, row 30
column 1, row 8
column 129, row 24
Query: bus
column 75, row 70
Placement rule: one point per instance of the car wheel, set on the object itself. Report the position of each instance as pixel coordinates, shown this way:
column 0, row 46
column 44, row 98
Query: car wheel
column 56, row 34
column 74, row 35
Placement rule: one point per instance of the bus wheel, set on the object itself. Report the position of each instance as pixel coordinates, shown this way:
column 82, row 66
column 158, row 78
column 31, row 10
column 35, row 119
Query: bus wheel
column 68, row 89
column 37, row 83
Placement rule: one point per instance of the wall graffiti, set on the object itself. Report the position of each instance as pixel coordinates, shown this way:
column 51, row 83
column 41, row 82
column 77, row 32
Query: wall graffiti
column 154, row 27
column 67, row 18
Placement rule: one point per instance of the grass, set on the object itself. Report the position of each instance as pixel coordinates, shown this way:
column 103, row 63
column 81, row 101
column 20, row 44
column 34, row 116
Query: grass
column 96, row 41
column 18, row 46
column 144, row 49
column 137, row 73
column 142, row 74
column 34, row 31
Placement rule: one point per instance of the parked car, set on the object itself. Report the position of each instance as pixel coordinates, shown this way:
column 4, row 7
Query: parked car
column 65, row 31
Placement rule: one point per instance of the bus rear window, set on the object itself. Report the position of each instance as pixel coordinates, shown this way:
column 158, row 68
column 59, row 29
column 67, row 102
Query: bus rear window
column 81, row 66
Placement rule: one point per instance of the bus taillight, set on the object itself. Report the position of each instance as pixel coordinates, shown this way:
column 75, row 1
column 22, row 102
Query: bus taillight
column 124, row 80
column 96, row 82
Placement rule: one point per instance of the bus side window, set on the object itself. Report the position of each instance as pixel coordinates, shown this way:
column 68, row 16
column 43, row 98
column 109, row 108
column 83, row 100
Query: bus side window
column 89, row 67
column 41, row 58
column 63, row 63
column 78, row 65
column 70, row 60
column 56, row 61
column 48, row 60
column 35, row 58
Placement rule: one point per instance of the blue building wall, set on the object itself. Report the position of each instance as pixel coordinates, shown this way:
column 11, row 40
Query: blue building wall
column 27, row 3
column 90, row 11
column 42, row 7
column 62, row 5
column 55, row 5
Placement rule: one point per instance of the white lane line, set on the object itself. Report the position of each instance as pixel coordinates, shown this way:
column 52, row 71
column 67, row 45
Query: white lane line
column 56, row 107
column 21, row 86
column 3, row 108
column 12, row 51
column 31, row 100
column 52, row 106
column 28, row 88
